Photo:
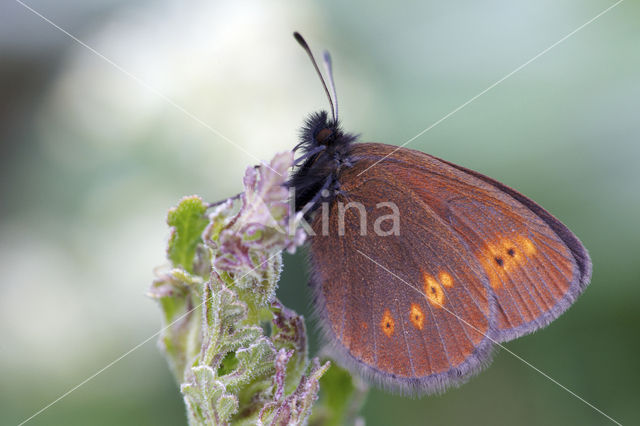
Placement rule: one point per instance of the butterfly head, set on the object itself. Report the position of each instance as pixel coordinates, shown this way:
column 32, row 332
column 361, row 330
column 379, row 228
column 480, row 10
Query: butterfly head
column 321, row 131
column 324, row 150
column 324, row 147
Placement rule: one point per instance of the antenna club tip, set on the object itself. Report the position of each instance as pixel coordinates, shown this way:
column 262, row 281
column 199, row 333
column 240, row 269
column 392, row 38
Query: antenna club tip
column 300, row 39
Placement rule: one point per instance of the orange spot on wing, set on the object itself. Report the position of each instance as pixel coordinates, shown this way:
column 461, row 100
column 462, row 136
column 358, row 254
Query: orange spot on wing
column 528, row 246
column 364, row 325
column 387, row 324
column 504, row 254
column 416, row 316
column 433, row 291
column 445, row 279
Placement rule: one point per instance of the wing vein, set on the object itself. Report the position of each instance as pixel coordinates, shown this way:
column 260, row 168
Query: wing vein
column 404, row 336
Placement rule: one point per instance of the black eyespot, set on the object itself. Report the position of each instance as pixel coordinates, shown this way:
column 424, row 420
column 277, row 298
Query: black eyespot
column 499, row 261
column 511, row 252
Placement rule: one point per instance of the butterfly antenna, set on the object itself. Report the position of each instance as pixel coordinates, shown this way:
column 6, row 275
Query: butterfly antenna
column 306, row 48
column 332, row 84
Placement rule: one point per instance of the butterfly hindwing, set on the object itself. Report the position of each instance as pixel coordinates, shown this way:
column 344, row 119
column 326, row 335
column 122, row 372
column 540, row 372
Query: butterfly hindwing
column 412, row 311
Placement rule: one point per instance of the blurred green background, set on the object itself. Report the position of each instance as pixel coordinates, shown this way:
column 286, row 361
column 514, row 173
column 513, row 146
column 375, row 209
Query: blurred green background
column 92, row 159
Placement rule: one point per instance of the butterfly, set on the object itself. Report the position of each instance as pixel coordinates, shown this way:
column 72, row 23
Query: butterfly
column 419, row 267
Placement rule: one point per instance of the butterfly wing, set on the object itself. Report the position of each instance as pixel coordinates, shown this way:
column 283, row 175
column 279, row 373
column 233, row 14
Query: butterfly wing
column 413, row 311
column 535, row 265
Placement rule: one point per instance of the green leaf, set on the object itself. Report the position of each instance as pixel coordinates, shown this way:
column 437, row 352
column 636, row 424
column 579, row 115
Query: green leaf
column 341, row 397
column 187, row 221
column 254, row 363
column 206, row 397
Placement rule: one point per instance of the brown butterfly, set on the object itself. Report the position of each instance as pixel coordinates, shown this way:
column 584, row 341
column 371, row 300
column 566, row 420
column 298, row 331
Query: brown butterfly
column 420, row 266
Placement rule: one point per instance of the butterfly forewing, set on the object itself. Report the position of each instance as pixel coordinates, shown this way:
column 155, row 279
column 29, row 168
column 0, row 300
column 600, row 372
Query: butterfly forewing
column 535, row 266
column 413, row 310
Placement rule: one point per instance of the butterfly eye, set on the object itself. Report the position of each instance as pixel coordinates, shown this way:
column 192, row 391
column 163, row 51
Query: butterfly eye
column 323, row 136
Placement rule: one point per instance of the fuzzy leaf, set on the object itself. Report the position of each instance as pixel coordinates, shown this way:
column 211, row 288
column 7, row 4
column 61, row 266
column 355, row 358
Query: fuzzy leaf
column 207, row 397
column 289, row 332
column 187, row 221
column 176, row 290
column 295, row 409
column 254, row 361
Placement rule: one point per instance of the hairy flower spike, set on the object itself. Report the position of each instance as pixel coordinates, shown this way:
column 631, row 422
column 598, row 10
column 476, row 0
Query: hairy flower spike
column 216, row 297
column 247, row 241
